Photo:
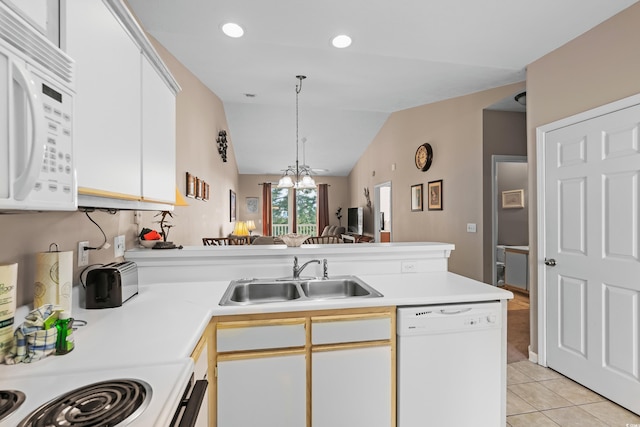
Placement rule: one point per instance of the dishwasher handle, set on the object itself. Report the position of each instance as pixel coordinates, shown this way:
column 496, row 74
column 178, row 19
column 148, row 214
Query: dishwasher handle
column 465, row 310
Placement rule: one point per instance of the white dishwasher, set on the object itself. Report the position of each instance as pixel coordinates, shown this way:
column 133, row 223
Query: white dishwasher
column 449, row 365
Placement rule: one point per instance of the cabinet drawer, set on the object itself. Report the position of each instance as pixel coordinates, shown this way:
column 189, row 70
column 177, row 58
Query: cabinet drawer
column 256, row 335
column 350, row 328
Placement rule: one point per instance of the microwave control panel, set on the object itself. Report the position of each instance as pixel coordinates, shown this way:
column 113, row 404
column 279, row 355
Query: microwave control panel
column 57, row 172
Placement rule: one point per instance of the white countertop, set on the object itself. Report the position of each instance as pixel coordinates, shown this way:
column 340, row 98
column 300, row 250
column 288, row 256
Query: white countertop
column 163, row 323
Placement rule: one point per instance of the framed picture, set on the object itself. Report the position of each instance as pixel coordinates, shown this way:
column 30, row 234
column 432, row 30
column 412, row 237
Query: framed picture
column 191, row 185
column 513, row 199
column 205, row 196
column 199, row 186
column 252, row 205
column 232, row 205
column 435, row 195
column 416, row 198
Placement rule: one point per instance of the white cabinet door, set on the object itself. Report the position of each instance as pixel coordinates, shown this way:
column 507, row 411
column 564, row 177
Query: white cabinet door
column 351, row 387
column 107, row 111
column 158, row 137
column 262, row 391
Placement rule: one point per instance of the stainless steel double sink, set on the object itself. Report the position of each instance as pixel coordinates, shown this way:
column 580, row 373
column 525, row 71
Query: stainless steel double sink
column 261, row 291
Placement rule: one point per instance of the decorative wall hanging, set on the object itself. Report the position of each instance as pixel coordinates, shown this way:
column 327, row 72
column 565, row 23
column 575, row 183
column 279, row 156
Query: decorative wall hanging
column 222, row 144
column 416, row 198
column 513, row 199
column 435, row 195
column 366, row 196
column 205, row 196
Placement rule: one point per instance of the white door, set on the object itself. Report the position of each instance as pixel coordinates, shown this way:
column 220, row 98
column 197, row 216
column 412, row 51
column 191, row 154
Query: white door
column 592, row 232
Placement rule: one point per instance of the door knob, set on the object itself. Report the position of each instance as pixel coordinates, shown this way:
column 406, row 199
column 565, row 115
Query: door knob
column 550, row 262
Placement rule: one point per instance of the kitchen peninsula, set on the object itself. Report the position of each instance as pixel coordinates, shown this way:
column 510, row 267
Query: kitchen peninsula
column 177, row 315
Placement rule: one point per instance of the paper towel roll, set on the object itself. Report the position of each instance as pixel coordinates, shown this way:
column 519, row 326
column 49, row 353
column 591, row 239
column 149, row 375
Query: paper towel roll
column 54, row 275
column 8, row 284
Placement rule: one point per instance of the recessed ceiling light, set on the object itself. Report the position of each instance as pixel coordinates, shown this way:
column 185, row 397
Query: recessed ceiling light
column 232, row 30
column 341, row 41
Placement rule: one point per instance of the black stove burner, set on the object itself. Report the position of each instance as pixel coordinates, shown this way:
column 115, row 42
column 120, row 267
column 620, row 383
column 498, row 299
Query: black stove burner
column 10, row 400
column 104, row 404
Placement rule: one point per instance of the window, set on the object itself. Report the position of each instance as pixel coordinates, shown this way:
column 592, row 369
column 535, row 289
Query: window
column 304, row 213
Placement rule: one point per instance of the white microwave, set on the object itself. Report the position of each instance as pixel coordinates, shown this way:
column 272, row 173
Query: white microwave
column 36, row 120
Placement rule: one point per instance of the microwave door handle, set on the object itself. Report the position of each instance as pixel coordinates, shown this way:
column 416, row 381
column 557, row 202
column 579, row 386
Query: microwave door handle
column 27, row 178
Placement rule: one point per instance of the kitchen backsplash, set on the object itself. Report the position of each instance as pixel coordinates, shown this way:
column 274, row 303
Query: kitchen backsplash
column 26, row 234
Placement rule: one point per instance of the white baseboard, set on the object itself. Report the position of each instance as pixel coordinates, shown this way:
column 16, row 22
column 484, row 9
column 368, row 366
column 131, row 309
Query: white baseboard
column 533, row 357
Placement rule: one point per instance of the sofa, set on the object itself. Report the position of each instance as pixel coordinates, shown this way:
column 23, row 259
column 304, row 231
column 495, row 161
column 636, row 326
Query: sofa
column 333, row 230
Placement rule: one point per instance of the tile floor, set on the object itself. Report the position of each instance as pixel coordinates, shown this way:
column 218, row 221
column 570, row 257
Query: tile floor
column 540, row 397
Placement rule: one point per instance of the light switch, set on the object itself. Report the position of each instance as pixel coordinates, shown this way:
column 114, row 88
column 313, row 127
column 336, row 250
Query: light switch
column 471, row 228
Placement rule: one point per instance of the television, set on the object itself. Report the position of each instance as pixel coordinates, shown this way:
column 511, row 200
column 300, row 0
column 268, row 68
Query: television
column 355, row 223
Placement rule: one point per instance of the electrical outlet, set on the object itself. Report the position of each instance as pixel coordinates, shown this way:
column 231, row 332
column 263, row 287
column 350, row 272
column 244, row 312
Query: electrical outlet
column 408, row 267
column 471, row 228
column 83, row 254
column 118, row 246
column 137, row 217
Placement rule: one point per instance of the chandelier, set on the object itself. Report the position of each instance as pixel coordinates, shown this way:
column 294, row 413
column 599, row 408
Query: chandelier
column 298, row 176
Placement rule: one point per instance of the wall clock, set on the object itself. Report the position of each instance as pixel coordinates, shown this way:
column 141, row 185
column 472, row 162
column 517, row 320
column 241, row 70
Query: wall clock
column 424, row 157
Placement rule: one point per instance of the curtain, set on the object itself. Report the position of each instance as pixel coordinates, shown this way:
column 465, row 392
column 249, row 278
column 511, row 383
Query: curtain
column 323, row 207
column 266, row 209
column 294, row 216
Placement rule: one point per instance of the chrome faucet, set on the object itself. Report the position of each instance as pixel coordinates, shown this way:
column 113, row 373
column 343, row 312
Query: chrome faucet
column 297, row 270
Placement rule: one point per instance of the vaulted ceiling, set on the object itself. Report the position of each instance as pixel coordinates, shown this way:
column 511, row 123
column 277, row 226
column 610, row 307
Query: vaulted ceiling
column 404, row 54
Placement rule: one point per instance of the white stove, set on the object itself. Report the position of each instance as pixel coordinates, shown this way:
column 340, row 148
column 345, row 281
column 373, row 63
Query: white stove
column 159, row 388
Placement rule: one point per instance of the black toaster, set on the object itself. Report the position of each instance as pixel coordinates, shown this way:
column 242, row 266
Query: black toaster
column 111, row 285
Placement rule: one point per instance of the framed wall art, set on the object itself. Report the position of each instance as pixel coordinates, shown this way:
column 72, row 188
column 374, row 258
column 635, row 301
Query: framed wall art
column 513, row 199
column 435, row 195
column 205, row 195
column 252, row 205
column 232, row 205
column 199, row 187
column 416, row 198
column 191, row 185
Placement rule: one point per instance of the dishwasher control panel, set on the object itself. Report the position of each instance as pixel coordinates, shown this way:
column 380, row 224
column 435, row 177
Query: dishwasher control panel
column 438, row 319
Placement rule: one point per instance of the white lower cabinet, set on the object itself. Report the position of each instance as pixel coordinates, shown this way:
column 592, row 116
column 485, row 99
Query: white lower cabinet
column 329, row 368
column 267, row 390
column 352, row 387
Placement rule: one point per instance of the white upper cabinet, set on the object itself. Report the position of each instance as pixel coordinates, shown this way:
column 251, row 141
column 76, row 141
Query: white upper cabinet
column 158, row 137
column 124, row 112
column 108, row 100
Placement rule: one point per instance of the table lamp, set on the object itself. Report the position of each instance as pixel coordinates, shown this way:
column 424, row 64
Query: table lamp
column 251, row 225
column 241, row 229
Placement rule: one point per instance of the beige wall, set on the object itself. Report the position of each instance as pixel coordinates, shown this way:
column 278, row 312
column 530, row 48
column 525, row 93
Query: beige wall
column 454, row 129
column 599, row 67
column 249, row 186
column 200, row 115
